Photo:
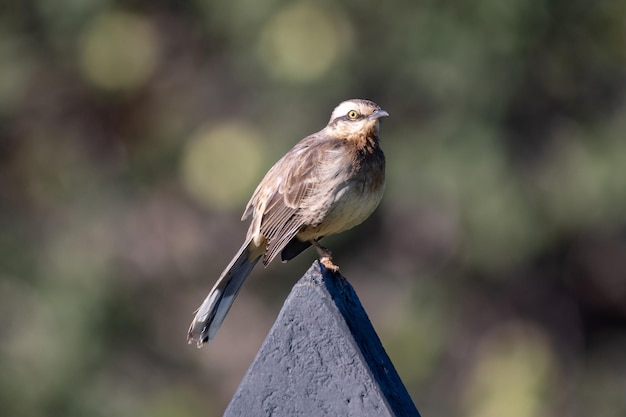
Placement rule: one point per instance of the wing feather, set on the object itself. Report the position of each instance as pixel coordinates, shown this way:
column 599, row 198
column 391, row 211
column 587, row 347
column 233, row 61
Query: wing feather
column 276, row 203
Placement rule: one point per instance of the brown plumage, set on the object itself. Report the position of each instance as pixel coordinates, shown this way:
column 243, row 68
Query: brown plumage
column 329, row 182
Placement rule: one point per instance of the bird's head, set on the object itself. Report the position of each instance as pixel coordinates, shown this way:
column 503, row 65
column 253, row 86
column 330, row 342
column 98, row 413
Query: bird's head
column 355, row 117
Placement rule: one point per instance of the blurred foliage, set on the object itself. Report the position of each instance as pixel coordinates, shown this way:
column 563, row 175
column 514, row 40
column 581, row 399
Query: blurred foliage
column 133, row 132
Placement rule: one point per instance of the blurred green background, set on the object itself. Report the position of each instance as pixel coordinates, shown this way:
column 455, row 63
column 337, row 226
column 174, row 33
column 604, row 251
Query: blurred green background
column 133, row 132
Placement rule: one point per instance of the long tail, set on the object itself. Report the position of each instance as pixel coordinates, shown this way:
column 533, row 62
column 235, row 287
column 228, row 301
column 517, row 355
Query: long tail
column 215, row 306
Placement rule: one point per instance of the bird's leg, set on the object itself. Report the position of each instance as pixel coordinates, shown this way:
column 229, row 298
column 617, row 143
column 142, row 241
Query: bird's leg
column 322, row 251
column 326, row 257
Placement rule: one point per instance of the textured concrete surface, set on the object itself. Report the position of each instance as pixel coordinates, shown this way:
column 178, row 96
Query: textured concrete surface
column 322, row 357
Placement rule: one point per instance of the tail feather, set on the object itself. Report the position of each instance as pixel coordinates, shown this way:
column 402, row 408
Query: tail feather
column 212, row 312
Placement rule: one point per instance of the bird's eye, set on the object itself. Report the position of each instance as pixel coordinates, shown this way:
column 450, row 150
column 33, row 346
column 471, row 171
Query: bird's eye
column 353, row 114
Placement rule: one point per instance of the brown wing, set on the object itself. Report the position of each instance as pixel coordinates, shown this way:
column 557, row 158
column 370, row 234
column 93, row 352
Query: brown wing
column 277, row 201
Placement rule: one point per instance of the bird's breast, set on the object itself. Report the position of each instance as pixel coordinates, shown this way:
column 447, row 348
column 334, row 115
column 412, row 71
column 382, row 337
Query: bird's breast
column 351, row 200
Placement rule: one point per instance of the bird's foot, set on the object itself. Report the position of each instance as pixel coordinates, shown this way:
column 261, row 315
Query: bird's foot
column 328, row 263
column 326, row 256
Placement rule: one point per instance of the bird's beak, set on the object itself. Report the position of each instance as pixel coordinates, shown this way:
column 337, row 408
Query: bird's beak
column 378, row 114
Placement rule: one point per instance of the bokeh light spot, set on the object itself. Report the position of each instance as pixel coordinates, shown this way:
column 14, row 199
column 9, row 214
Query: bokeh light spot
column 513, row 373
column 302, row 42
column 221, row 165
column 118, row 51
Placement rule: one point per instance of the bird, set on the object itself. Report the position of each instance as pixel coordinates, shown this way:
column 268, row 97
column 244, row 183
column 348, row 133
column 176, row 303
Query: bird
column 327, row 183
